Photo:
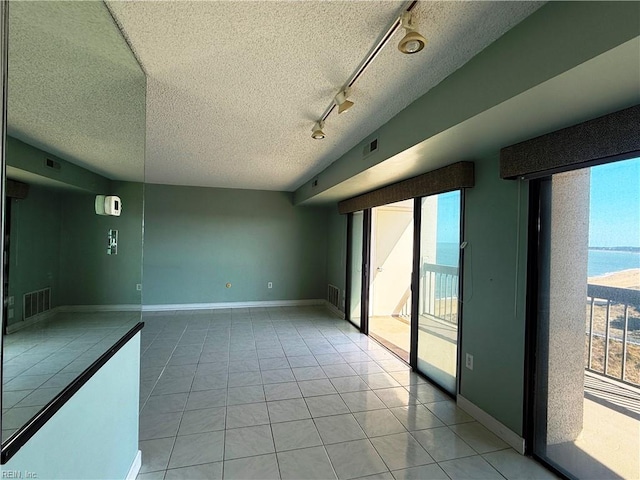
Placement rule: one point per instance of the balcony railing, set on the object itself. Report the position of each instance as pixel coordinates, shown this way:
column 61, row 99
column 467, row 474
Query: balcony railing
column 439, row 292
column 613, row 346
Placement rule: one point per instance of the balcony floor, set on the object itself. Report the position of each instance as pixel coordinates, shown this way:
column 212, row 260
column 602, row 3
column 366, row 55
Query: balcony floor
column 437, row 344
column 609, row 445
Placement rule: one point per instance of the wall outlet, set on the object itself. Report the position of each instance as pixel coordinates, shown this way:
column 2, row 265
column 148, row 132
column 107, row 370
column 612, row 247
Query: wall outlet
column 469, row 361
column 269, row 284
column 139, row 287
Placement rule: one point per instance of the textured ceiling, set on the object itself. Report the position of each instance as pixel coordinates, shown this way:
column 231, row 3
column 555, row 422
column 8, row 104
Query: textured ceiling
column 234, row 87
column 75, row 90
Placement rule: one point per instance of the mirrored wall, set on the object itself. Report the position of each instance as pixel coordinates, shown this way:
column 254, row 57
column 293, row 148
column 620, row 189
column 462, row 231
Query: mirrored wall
column 75, row 130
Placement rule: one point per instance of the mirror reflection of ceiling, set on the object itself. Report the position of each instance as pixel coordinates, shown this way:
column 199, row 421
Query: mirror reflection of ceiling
column 70, row 81
column 234, row 87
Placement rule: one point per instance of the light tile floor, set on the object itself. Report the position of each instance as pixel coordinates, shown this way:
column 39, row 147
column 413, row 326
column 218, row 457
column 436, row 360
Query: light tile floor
column 295, row 393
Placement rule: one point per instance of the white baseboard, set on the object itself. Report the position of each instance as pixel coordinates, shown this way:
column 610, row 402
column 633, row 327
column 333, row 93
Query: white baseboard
column 14, row 327
column 498, row 428
column 135, row 467
column 333, row 309
column 100, row 308
column 220, row 305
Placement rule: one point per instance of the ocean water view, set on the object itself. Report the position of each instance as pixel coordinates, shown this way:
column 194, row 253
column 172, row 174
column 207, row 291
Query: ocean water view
column 602, row 262
column 447, row 253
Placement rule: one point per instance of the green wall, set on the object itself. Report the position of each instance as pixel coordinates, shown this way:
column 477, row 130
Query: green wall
column 33, row 160
column 88, row 275
column 337, row 251
column 95, row 433
column 494, row 290
column 57, row 239
column 199, row 239
column 34, row 246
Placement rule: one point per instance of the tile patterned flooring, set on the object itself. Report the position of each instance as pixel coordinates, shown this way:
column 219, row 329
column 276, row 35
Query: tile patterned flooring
column 295, row 393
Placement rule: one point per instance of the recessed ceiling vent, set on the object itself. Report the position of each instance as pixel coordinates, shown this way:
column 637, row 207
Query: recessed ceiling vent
column 52, row 164
column 370, row 147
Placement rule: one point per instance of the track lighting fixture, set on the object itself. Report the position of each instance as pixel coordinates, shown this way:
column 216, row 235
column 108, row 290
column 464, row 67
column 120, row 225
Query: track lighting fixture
column 318, row 134
column 342, row 102
column 412, row 42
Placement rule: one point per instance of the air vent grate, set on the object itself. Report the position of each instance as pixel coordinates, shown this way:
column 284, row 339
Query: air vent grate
column 52, row 164
column 36, row 302
column 333, row 295
column 370, row 147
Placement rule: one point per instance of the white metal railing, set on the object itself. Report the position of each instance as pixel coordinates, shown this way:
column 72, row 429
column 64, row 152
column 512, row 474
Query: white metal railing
column 613, row 329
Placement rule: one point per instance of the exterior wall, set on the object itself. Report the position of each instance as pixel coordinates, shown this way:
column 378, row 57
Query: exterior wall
column 391, row 258
column 568, row 261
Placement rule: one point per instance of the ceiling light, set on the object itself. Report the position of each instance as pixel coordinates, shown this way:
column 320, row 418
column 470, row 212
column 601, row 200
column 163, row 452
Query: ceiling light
column 412, row 42
column 318, row 134
column 342, row 102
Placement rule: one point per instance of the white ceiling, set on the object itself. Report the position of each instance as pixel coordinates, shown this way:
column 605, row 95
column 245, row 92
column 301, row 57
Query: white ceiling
column 234, row 87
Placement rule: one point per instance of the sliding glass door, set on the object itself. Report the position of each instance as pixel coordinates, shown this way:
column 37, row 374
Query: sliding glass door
column 587, row 390
column 356, row 238
column 390, row 276
column 404, row 280
column 439, row 255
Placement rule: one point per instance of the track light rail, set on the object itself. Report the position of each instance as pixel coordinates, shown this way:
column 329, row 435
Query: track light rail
column 373, row 53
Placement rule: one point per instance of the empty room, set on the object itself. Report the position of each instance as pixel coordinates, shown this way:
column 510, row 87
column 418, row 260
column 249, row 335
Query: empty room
column 312, row 239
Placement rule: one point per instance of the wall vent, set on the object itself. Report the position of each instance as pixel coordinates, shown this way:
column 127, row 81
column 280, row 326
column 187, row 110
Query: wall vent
column 35, row 303
column 333, row 295
column 52, row 164
column 370, row 147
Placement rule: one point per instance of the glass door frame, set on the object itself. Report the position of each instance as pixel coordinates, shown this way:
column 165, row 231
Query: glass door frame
column 365, row 281
column 347, row 281
column 537, row 224
column 415, row 290
column 415, row 282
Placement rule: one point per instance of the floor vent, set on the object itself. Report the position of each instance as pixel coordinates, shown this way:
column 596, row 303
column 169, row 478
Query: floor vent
column 333, row 295
column 37, row 302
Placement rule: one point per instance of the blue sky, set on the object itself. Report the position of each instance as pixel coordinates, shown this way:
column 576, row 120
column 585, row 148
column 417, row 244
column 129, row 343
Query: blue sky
column 615, row 205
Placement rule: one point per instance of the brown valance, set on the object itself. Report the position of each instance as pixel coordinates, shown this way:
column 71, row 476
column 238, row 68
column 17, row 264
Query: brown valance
column 601, row 140
column 452, row 177
column 15, row 189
